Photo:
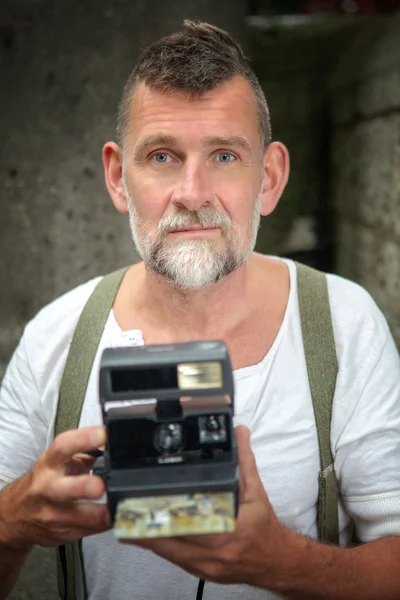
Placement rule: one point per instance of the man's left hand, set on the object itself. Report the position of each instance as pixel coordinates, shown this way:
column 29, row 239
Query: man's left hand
column 248, row 555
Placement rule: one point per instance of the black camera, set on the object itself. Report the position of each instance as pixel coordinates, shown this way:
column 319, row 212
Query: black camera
column 170, row 463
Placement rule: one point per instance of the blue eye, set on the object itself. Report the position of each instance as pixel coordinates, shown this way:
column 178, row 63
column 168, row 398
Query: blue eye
column 161, row 157
column 226, row 157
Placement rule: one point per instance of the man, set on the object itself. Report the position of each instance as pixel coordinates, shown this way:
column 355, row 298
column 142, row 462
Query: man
column 194, row 169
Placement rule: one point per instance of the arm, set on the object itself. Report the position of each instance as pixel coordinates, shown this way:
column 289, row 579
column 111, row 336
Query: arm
column 264, row 553
column 42, row 508
column 11, row 559
column 315, row 571
column 367, row 445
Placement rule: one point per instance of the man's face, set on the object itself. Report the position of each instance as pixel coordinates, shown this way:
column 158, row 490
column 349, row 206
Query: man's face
column 193, row 173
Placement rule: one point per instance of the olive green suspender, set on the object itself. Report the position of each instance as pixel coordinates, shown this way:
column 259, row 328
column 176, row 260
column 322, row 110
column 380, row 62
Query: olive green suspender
column 320, row 353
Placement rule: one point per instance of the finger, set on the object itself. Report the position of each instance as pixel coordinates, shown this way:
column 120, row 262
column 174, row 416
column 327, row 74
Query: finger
column 250, row 480
column 82, row 457
column 80, row 464
column 212, row 540
column 72, row 442
column 90, row 516
column 174, row 549
column 197, row 561
column 84, row 516
column 70, row 488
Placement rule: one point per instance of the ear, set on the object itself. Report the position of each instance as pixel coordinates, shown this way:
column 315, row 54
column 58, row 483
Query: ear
column 276, row 173
column 112, row 161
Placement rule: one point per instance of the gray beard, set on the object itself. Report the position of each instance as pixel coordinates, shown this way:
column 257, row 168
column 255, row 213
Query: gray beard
column 193, row 264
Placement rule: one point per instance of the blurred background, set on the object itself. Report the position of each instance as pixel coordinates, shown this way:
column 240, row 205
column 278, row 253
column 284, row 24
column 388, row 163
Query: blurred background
column 331, row 74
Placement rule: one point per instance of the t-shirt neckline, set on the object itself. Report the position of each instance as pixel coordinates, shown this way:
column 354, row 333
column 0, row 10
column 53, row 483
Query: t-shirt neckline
column 135, row 336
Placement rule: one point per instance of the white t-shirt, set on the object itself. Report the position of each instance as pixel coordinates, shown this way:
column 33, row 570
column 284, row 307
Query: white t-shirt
column 272, row 399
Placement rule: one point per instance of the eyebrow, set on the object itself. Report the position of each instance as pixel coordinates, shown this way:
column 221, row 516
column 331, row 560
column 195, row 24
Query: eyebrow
column 151, row 141
column 154, row 140
column 229, row 140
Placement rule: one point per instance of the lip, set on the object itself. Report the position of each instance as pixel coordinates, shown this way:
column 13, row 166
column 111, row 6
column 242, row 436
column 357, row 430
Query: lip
column 193, row 230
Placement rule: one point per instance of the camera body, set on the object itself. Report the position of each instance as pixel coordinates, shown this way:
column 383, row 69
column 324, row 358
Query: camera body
column 170, row 463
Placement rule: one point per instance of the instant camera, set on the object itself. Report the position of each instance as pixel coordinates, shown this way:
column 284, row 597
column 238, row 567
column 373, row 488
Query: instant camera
column 170, row 463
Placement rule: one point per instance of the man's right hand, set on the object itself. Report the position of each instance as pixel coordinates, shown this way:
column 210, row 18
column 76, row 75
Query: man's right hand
column 50, row 505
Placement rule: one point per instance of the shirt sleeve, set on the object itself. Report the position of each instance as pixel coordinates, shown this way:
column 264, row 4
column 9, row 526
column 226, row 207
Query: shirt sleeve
column 30, row 388
column 22, row 430
column 367, row 459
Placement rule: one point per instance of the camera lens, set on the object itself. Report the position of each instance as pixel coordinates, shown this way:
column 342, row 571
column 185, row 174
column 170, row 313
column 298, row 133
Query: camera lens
column 212, row 424
column 168, row 438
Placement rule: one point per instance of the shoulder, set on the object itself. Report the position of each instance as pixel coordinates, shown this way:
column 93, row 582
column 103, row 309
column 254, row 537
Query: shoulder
column 29, row 390
column 356, row 318
column 366, row 410
column 362, row 337
column 346, row 295
column 62, row 314
column 47, row 336
column 367, row 395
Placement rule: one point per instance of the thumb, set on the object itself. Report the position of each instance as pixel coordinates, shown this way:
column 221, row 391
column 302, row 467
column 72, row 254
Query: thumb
column 250, row 483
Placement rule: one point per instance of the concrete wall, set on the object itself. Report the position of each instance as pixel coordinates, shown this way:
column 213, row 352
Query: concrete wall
column 293, row 65
column 334, row 94
column 365, row 92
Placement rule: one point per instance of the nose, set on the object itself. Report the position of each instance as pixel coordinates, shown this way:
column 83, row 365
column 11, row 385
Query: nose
column 193, row 189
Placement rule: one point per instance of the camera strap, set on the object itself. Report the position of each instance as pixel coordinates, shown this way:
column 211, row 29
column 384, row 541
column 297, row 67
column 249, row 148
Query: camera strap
column 322, row 367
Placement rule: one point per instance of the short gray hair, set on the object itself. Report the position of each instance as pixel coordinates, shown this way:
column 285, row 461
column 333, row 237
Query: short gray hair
column 196, row 59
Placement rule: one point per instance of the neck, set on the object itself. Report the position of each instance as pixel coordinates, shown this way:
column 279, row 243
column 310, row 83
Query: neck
column 199, row 313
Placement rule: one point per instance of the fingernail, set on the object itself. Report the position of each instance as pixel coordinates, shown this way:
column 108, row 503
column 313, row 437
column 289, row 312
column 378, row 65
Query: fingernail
column 98, row 436
column 91, row 489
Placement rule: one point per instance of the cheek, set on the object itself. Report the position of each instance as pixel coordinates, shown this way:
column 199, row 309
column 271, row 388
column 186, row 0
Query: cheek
column 242, row 222
column 151, row 200
column 237, row 191
column 238, row 204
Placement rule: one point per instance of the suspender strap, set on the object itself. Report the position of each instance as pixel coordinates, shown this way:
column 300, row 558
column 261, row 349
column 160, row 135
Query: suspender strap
column 73, row 386
column 322, row 367
column 320, row 353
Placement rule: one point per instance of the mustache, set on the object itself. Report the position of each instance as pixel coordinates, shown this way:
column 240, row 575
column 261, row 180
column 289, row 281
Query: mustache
column 205, row 217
